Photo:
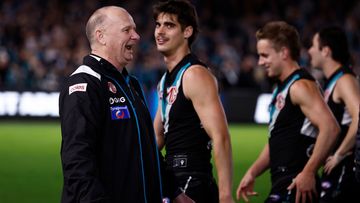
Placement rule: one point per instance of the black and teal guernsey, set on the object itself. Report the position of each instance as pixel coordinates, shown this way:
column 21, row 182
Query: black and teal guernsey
column 338, row 109
column 188, row 146
column 291, row 135
column 340, row 184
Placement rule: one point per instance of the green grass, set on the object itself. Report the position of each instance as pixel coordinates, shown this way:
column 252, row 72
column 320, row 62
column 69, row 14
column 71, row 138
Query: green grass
column 30, row 167
column 247, row 142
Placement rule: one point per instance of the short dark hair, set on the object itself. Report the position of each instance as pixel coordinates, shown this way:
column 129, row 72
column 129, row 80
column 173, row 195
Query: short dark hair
column 184, row 11
column 335, row 38
column 281, row 34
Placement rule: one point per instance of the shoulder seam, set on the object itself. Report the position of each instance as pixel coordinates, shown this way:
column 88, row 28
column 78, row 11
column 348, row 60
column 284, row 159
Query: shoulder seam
column 86, row 69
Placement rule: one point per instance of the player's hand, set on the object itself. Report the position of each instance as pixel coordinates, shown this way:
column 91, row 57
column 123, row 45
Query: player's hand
column 333, row 161
column 305, row 187
column 246, row 187
column 183, row 198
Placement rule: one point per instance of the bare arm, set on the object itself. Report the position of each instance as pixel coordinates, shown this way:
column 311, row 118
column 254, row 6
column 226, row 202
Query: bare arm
column 201, row 88
column 246, row 186
column 159, row 128
column 262, row 163
column 347, row 91
column 306, row 94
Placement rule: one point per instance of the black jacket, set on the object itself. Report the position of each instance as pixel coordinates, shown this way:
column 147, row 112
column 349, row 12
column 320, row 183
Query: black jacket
column 357, row 153
column 108, row 150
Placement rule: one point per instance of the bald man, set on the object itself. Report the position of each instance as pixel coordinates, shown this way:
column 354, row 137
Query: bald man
column 108, row 150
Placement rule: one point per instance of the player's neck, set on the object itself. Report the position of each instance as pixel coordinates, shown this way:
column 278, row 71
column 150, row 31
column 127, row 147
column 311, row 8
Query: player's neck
column 330, row 66
column 173, row 59
column 109, row 58
column 289, row 68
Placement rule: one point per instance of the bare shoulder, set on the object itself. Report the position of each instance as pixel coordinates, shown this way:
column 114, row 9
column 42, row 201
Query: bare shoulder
column 198, row 75
column 348, row 81
column 197, row 79
column 347, row 87
column 302, row 86
column 304, row 90
column 196, row 72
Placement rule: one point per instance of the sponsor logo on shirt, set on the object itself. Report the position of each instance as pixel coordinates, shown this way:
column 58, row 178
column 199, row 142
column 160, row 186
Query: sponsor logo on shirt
column 112, row 87
column 119, row 112
column 116, row 100
column 80, row 87
column 180, row 161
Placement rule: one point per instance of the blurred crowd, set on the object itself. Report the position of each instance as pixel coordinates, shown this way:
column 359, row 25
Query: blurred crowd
column 42, row 42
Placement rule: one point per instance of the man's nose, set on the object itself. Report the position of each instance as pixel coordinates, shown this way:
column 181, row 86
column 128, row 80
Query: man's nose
column 135, row 36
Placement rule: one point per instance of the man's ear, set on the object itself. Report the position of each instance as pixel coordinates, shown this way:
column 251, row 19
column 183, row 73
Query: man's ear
column 99, row 37
column 188, row 32
column 284, row 52
column 326, row 51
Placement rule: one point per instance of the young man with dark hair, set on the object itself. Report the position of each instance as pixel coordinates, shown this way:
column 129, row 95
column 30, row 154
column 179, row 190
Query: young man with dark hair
column 330, row 53
column 301, row 130
column 190, row 119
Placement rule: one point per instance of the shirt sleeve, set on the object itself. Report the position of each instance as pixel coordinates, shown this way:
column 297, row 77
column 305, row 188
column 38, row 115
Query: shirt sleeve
column 80, row 115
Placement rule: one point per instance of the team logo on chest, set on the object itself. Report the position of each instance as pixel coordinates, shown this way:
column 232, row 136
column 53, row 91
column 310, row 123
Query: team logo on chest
column 112, row 87
column 172, row 94
column 280, row 101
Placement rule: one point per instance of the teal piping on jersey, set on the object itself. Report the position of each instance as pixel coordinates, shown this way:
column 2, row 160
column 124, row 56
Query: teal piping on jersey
column 346, row 120
column 138, row 129
column 334, row 79
column 180, row 73
column 272, row 106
